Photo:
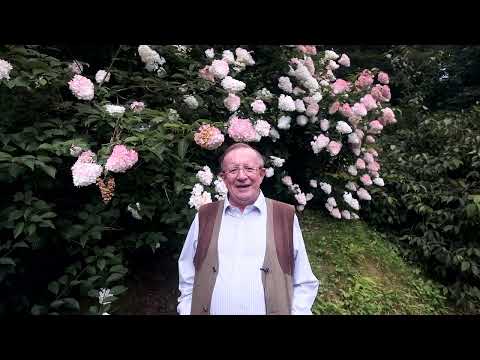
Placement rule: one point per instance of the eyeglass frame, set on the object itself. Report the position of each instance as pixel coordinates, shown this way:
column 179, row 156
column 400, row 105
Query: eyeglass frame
column 236, row 170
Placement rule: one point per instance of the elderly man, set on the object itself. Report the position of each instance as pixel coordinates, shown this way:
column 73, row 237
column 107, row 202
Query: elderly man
column 245, row 255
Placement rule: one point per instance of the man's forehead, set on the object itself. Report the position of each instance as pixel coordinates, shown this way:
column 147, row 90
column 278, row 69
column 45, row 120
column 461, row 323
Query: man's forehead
column 240, row 154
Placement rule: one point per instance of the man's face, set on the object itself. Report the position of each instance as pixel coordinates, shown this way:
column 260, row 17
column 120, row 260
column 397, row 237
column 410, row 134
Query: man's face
column 242, row 176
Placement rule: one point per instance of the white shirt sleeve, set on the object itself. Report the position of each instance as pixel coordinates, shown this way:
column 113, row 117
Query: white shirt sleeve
column 305, row 284
column 186, row 269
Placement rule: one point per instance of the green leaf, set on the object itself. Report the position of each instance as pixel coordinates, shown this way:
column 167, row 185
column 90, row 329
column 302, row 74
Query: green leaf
column 57, row 303
column 119, row 289
column 21, row 244
column 49, row 170
column 182, row 148
column 465, row 265
column 101, row 264
column 5, row 157
column 93, row 309
column 31, row 229
column 49, row 215
column 18, row 229
column 63, row 280
column 91, row 270
column 93, row 293
column 114, row 277
column 38, row 310
column 118, row 268
column 7, row 261
column 72, row 303
column 54, row 287
column 14, row 215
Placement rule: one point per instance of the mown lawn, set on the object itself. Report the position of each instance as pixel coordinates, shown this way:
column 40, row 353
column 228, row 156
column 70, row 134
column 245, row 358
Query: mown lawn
column 360, row 272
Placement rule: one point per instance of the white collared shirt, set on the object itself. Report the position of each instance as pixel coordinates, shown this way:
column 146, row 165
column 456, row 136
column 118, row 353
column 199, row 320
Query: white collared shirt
column 241, row 251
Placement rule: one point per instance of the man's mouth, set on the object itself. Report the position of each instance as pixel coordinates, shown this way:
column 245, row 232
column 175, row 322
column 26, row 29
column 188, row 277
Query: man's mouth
column 243, row 186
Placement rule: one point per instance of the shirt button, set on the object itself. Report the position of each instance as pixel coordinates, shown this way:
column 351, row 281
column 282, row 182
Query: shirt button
column 205, row 309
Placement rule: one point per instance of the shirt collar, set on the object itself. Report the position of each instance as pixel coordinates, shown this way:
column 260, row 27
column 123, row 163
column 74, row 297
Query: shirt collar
column 259, row 204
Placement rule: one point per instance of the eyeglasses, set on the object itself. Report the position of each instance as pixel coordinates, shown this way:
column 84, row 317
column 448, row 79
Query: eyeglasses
column 236, row 170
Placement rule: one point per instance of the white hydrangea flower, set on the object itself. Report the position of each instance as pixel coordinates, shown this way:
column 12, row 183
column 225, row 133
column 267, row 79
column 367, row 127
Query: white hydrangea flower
column 285, row 84
column 351, row 186
column 300, row 106
column 269, row 172
column 353, row 139
column 284, row 122
column 150, row 58
column 313, row 183
column 301, row 198
column 332, row 201
column 232, row 85
column 346, row 215
column 243, row 56
column 102, row 76
column 197, row 189
column 262, row 127
column 205, row 176
column 210, row 53
column 134, row 210
column 324, row 124
column 309, row 196
column 332, row 65
column 302, row 120
column 363, row 194
column 286, row 103
column 378, row 181
column 276, row 161
column 114, row 110
column 327, row 188
column 274, row 134
column 352, row 170
column 331, row 55
column 320, row 142
column 347, row 197
column 264, row 94
column 343, row 128
column 220, row 188
column 228, row 57
column 103, row 295
column 191, row 101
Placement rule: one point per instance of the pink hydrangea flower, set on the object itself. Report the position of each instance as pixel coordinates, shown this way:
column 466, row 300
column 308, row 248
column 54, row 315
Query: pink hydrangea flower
column 219, row 68
column 340, row 86
column 346, row 110
column 373, row 166
column 334, row 108
column 363, row 194
column 334, row 147
column 336, row 213
column 312, row 109
column 258, row 107
column 241, row 130
column 383, row 77
column 309, row 65
column 368, row 157
column 85, row 171
column 208, row 137
column 364, row 80
column 206, row 74
column 121, row 159
column 375, row 126
column 232, row 102
column 307, row 49
column 366, row 180
column 360, row 164
column 137, row 106
column 388, row 116
column 369, row 102
column 344, row 60
column 81, row 87
column 359, row 110
column 381, row 92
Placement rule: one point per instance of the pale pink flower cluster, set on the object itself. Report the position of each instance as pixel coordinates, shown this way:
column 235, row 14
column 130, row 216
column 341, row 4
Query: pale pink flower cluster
column 319, row 143
column 85, row 171
column 366, row 180
column 121, row 159
column 102, row 76
column 381, row 93
column 344, row 60
column 342, row 127
column 208, row 137
column 369, row 102
column 258, row 107
column 244, row 57
column 76, row 68
column 81, row 87
column 219, row 68
column 241, row 130
column 383, row 78
column 340, row 86
column 388, row 117
column 307, row 49
column 286, row 103
column 334, row 147
column 326, row 187
column 363, row 194
column 348, row 198
column 232, row 102
column 262, row 127
column 199, row 197
column 137, row 106
column 285, row 84
column 206, row 74
column 5, row 68
column 232, row 85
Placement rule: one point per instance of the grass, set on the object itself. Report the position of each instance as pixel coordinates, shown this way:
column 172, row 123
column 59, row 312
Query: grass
column 361, row 273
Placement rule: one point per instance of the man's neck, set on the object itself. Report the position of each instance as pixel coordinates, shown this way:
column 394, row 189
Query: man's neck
column 242, row 206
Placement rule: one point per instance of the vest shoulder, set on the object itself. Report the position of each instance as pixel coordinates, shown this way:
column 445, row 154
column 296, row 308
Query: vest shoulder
column 282, row 205
column 210, row 206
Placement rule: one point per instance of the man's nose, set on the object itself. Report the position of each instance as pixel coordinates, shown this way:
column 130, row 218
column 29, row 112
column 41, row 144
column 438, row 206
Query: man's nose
column 242, row 174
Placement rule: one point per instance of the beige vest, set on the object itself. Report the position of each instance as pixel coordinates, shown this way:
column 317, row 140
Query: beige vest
column 277, row 270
